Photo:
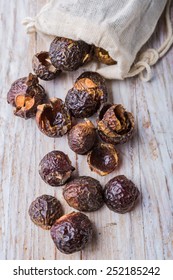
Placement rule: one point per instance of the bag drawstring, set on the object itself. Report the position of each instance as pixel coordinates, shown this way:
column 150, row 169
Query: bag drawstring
column 151, row 56
column 30, row 25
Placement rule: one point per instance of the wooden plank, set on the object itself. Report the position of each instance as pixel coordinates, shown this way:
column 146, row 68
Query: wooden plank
column 146, row 232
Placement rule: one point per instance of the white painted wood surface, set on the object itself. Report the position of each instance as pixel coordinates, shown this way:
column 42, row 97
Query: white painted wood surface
column 146, row 232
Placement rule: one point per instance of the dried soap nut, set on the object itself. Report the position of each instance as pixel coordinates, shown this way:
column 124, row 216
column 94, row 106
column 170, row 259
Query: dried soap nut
column 103, row 159
column 72, row 232
column 87, row 94
column 55, row 168
column 120, row 194
column 45, row 210
column 53, row 119
column 103, row 56
column 98, row 80
column 115, row 124
column 68, row 55
column 43, row 67
column 84, row 194
column 81, row 137
column 25, row 95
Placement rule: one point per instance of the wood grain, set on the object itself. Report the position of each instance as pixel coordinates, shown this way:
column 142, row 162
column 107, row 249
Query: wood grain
column 146, row 232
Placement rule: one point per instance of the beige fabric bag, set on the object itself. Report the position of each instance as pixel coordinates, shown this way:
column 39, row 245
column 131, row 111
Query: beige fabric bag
column 119, row 26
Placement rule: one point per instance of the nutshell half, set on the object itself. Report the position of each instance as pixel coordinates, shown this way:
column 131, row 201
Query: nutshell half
column 87, row 95
column 103, row 159
column 120, row 194
column 81, row 137
column 72, row 232
column 84, row 194
column 68, row 55
column 53, row 118
column 103, row 56
column 55, row 168
column 43, row 67
column 45, row 210
column 25, row 95
column 115, row 124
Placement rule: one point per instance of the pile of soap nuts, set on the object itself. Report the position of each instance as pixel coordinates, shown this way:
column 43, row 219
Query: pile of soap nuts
column 55, row 118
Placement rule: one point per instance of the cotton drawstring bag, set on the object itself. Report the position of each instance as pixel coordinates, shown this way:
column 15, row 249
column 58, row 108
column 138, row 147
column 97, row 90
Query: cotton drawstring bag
column 121, row 27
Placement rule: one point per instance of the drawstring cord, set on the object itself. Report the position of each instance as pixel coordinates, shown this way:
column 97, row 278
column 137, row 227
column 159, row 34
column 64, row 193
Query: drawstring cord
column 151, row 56
column 30, row 25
